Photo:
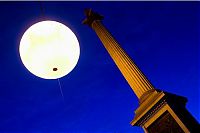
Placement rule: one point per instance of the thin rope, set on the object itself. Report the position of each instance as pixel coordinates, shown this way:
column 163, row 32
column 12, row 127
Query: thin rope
column 42, row 11
column 61, row 89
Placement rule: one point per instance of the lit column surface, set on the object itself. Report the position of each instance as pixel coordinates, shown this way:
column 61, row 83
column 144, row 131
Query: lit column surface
column 135, row 78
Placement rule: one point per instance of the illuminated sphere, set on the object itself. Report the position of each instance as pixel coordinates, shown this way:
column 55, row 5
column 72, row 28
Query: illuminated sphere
column 49, row 49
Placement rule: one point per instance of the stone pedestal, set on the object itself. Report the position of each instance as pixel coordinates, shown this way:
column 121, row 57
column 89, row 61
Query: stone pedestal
column 163, row 112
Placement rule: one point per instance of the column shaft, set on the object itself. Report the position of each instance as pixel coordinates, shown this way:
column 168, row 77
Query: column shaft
column 136, row 79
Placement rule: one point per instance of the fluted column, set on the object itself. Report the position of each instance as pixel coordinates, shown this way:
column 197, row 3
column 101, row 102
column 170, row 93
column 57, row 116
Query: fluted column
column 135, row 78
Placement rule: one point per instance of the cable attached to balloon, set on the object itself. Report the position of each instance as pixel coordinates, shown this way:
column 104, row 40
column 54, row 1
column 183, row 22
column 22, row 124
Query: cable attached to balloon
column 61, row 90
column 42, row 11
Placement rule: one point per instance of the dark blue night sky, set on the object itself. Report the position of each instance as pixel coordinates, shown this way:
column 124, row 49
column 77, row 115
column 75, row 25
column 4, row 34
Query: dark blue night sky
column 161, row 37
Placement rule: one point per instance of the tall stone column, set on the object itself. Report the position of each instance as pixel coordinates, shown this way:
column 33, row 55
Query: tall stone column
column 135, row 78
column 159, row 111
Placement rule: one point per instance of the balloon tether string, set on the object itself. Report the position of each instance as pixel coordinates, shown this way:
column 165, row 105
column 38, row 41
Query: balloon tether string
column 61, row 89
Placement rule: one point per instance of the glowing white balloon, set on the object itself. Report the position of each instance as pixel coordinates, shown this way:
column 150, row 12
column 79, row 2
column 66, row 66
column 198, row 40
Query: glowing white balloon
column 49, row 50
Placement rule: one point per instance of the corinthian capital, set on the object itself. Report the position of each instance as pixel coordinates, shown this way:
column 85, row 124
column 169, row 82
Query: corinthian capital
column 91, row 17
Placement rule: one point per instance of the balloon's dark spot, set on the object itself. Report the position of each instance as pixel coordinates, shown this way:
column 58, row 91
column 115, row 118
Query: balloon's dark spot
column 55, row 69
